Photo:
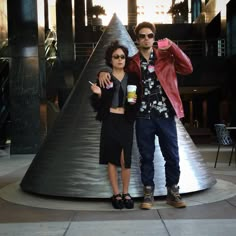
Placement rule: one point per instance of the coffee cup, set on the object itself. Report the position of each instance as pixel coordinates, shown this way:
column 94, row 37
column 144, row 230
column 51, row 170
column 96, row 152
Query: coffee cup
column 131, row 90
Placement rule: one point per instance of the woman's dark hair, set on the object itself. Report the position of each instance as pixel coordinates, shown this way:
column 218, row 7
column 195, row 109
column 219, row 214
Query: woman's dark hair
column 113, row 47
column 142, row 25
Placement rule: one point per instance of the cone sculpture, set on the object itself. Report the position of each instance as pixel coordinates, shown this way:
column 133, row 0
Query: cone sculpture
column 67, row 165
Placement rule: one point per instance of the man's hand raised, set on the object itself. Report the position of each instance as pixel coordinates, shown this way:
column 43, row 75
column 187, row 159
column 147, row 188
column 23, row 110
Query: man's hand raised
column 104, row 79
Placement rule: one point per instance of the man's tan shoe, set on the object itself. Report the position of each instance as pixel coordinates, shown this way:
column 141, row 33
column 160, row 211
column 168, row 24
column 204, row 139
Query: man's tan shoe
column 174, row 198
column 148, row 198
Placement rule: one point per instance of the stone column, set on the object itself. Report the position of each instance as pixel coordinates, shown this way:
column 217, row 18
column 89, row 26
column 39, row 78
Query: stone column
column 46, row 15
column 26, row 48
column 204, row 113
column 132, row 13
column 65, row 35
column 191, row 113
column 88, row 5
column 65, row 47
column 79, row 9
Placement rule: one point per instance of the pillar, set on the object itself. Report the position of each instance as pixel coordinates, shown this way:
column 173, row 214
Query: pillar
column 46, row 15
column 79, row 9
column 204, row 113
column 191, row 113
column 26, row 50
column 65, row 46
column 65, row 36
column 132, row 13
column 89, row 17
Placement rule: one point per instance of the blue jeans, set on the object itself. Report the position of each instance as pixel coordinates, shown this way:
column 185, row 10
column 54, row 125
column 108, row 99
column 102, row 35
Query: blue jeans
column 165, row 129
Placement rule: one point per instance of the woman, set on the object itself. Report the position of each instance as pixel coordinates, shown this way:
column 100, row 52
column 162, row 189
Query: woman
column 117, row 117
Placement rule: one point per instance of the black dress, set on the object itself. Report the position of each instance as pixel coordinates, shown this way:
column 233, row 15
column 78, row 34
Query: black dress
column 117, row 129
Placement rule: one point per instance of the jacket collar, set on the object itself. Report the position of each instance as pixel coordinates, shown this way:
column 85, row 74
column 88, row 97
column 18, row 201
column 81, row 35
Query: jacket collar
column 136, row 57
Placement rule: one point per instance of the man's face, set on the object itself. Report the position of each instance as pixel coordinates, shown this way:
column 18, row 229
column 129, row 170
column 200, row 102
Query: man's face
column 145, row 38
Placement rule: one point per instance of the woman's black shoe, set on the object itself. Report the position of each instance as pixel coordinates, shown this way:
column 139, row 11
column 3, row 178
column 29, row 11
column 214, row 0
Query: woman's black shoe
column 117, row 201
column 128, row 202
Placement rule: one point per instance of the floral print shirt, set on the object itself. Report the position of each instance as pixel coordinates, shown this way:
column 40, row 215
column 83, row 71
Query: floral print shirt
column 154, row 99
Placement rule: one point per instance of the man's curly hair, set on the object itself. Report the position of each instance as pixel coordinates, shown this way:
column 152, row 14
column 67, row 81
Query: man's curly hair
column 113, row 47
column 142, row 25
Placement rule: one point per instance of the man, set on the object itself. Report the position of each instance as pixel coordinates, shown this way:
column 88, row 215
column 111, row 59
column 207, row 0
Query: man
column 160, row 104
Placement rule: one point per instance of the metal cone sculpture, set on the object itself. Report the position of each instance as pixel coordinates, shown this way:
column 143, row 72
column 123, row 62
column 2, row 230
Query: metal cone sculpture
column 67, row 165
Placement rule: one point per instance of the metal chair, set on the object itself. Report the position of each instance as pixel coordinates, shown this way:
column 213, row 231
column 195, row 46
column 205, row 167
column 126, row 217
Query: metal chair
column 224, row 139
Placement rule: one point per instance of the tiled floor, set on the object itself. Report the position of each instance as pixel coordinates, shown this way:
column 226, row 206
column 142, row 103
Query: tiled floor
column 210, row 212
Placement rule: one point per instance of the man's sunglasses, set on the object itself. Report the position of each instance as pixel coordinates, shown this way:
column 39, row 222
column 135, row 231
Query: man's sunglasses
column 143, row 36
column 118, row 56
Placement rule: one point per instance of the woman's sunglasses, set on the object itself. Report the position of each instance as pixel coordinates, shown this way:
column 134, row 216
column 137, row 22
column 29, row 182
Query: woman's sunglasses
column 142, row 36
column 119, row 56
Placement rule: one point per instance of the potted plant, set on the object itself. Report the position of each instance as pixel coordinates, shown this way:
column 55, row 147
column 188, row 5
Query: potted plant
column 179, row 12
column 96, row 11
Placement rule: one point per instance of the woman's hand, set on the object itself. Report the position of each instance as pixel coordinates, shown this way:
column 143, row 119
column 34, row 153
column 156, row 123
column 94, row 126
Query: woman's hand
column 97, row 90
column 104, row 79
column 134, row 100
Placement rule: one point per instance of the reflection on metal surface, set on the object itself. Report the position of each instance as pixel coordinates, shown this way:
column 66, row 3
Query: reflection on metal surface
column 67, row 163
